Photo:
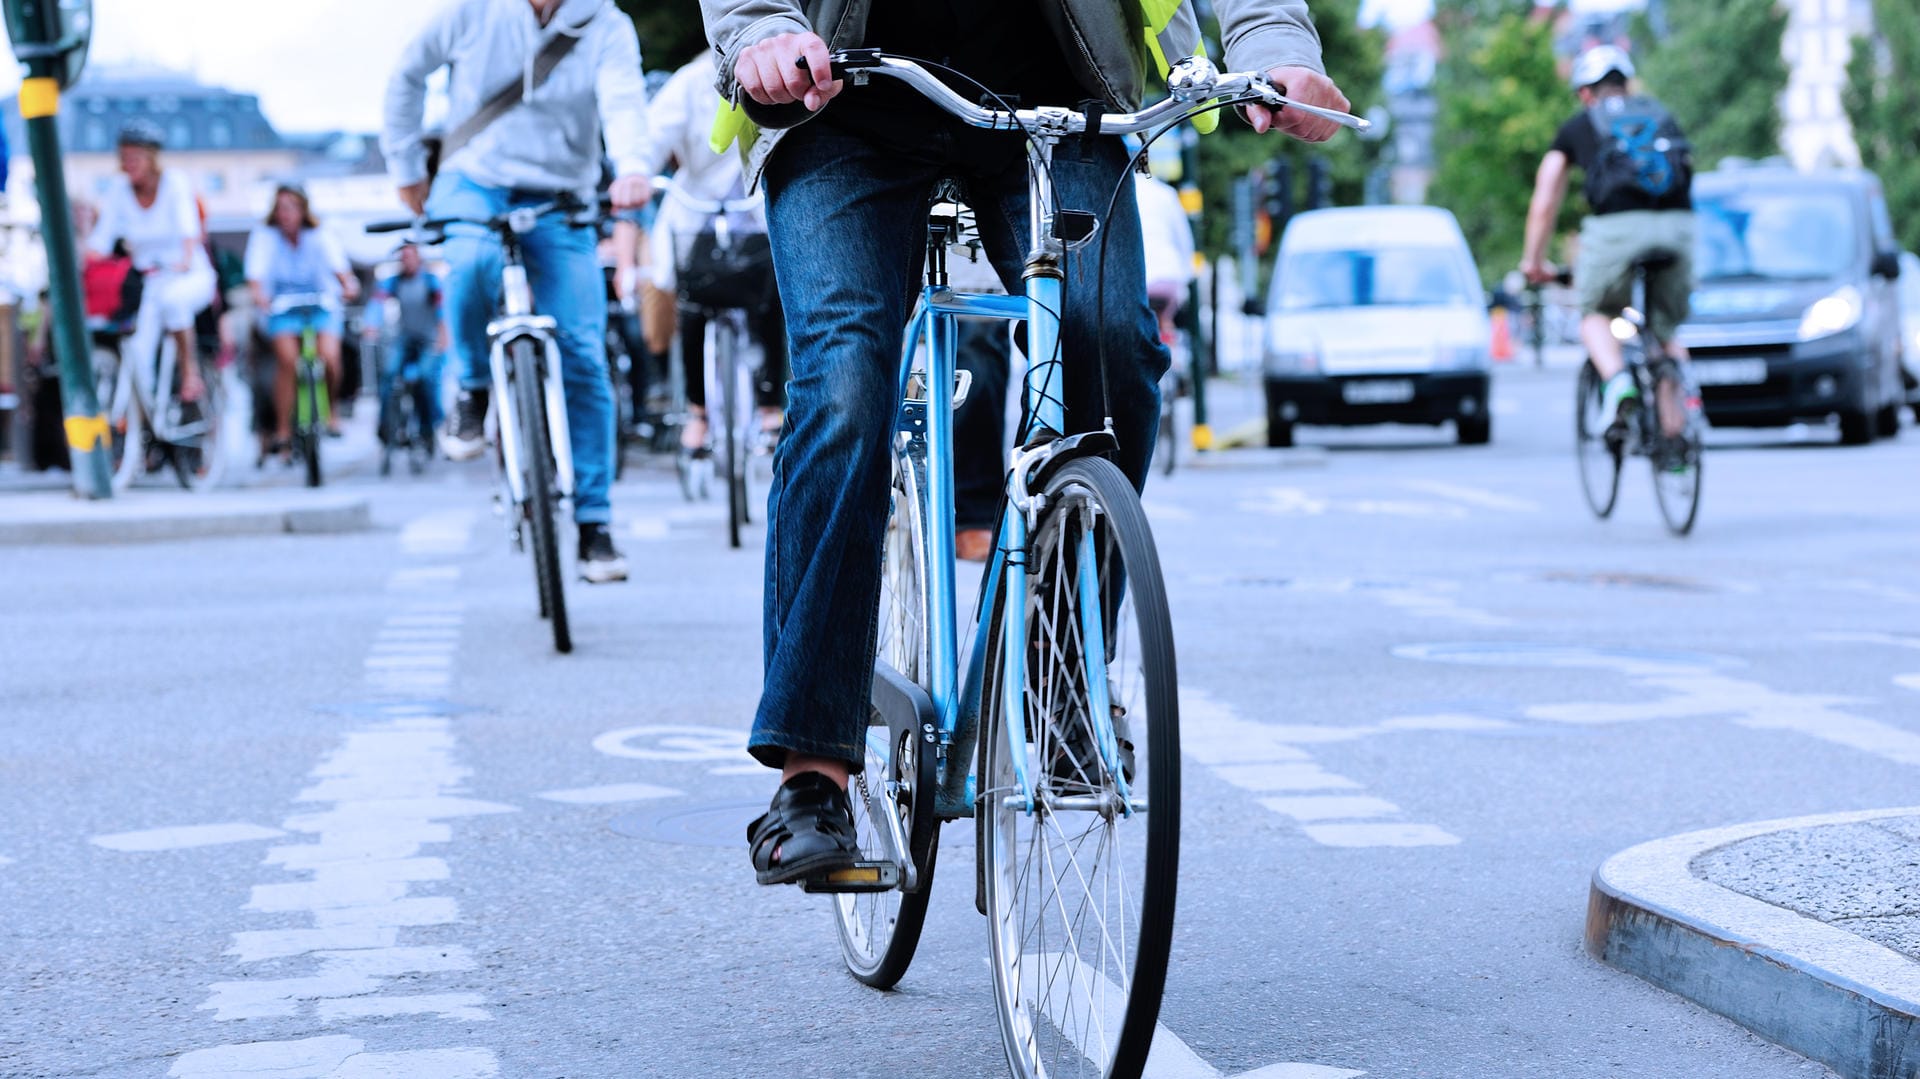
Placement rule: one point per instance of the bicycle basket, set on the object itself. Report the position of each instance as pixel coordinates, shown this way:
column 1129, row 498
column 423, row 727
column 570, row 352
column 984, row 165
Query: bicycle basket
column 738, row 274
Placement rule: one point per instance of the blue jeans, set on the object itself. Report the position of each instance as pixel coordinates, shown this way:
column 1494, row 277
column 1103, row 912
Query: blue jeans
column 412, row 364
column 565, row 273
column 847, row 220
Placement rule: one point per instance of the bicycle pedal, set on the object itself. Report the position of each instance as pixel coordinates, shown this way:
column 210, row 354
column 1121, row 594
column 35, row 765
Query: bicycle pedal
column 859, row 877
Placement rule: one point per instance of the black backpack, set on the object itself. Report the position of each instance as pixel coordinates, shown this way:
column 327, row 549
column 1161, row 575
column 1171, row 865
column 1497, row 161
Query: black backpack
column 1642, row 154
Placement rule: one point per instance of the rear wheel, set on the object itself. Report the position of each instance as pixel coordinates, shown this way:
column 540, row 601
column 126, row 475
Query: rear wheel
column 1676, row 457
column 1856, row 427
column 199, row 447
column 1599, row 450
column 536, row 470
column 879, row 931
column 1886, row 422
column 732, row 375
column 1080, row 890
column 309, row 416
column 1473, row 430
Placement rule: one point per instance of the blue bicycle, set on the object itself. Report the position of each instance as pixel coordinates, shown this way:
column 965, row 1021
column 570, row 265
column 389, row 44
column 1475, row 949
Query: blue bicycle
column 1060, row 733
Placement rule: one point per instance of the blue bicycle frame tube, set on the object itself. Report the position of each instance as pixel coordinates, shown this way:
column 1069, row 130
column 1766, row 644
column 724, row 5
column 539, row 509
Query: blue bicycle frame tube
column 1093, row 648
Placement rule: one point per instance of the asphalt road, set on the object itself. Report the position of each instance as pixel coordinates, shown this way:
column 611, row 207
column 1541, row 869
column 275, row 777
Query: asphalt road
column 226, row 850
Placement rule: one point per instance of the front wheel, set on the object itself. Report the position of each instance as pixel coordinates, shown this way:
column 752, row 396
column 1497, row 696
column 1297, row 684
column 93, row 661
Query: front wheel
column 1676, row 457
column 310, row 411
column 1599, row 450
column 126, row 431
column 536, row 470
column 1080, row 886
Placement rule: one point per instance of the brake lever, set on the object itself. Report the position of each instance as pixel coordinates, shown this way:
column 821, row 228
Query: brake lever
column 1270, row 96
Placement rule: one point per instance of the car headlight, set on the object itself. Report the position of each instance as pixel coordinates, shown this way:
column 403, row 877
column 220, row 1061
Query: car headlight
column 1292, row 361
column 1461, row 358
column 1831, row 314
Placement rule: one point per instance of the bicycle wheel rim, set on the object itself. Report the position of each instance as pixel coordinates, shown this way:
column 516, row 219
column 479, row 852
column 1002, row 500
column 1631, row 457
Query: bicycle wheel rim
column 116, row 394
column 1599, row 461
column 879, row 931
column 536, row 463
column 1080, row 903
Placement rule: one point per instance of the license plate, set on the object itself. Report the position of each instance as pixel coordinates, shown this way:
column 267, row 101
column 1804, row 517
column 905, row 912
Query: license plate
column 1383, row 391
column 1729, row 372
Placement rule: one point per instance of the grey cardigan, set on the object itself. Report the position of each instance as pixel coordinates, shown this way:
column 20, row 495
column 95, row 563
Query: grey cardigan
column 1103, row 40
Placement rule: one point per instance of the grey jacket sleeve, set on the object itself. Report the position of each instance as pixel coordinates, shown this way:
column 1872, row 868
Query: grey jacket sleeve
column 406, row 100
column 1260, row 35
column 622, row 97
column 732, row 25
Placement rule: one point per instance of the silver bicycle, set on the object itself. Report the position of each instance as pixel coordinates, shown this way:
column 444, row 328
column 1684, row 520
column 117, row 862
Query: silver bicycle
column 136, row 367
column 533, row 452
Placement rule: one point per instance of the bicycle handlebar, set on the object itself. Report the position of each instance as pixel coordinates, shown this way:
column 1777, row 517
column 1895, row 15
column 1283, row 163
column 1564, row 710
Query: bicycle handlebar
column 517, row 219
column 296, row 301
column 1192, row 82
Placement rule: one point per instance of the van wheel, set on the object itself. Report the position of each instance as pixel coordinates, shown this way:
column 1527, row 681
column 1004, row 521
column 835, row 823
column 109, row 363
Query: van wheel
column 1886, row 422
column 1279, row 432
column 1856, row 428
column 1474, row 430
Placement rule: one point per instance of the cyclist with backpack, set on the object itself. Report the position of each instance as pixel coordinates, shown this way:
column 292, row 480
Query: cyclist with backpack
column 1639, row 176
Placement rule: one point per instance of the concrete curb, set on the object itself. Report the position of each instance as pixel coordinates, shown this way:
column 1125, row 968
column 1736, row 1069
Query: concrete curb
column 146, row 517
column 1821, row 991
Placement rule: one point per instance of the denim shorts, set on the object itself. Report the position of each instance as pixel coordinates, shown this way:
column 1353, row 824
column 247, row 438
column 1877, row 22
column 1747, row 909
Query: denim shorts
column 295, row 323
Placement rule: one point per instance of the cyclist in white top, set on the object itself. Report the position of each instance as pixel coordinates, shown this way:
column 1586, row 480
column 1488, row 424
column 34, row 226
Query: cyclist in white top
column 153, row 213
column 288, row 255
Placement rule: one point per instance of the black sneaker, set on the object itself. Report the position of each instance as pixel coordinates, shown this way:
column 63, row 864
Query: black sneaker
column 466, row 435
column 599, row 561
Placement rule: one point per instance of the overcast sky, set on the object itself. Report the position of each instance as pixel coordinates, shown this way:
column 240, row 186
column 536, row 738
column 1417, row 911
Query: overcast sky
column 323, row 64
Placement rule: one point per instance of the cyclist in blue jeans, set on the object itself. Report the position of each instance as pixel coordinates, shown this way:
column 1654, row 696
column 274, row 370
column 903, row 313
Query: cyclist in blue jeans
column 847, row 195
column 418, row 337
column 569, row 71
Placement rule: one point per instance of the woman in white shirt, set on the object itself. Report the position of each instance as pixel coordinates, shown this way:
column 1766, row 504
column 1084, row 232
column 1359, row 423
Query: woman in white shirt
column 288, row 255
column 154, row 214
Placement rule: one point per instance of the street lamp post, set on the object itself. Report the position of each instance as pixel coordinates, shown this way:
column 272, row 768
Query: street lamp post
column 50, row 37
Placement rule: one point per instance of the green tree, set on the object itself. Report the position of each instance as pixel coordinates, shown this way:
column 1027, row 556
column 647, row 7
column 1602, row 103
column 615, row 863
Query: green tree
column 1720, row 71
column 1501, row 100
column 1883, row 103
column 1355, row 58
column 670, row 33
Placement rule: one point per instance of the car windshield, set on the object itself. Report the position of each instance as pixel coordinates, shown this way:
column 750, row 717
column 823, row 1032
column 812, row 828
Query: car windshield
column 1376, row 277
column 1773, row 234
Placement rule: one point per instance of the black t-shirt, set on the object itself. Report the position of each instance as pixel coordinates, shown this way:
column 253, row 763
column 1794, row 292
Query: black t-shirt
column 1579, row 139
column 1004, row 44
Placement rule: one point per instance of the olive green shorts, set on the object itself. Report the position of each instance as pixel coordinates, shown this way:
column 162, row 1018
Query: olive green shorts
column 1603, row 272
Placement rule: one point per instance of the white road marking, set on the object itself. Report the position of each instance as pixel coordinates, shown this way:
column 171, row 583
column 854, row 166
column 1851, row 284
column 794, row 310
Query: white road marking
column 1904, row 681
column 1474, row 496
column 1160, row 510
column 610, row 794
column 374, row 802
column 4, row 860
column 1262, row 758
column 1907, row 681
column 1431, row 603
column 181, row 838
column 673, row 742
column 1095, row 1020
column 1445, row 721
column 649, row 528
column 1694, row 690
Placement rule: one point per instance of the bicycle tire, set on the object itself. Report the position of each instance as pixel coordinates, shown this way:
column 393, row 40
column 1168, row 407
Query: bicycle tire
column 309, row 410
column 726, row 363
column 879, row 931
column 537, row 470
column 1677, row 462
column 1046, row 1029
column 126, row 433
column 1598, row 457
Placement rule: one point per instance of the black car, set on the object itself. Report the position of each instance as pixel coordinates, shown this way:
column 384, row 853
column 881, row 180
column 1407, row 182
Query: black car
column 1795, row 311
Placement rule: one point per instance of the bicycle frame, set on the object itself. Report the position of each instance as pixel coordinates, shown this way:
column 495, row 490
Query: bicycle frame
column 957, row 694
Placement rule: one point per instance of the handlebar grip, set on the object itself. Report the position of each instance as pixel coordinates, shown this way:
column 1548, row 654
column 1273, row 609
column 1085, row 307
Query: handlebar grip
column 398, row 225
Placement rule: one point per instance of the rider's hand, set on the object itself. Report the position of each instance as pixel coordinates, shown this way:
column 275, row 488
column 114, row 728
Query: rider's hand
column 770, row 73
column 349, row 287
column 1538, row 270
column 629, row 192
column 414, row 197
column 1308, row 87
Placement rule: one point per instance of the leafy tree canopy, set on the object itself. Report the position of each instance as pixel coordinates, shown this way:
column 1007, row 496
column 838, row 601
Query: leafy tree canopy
column 1883, row 103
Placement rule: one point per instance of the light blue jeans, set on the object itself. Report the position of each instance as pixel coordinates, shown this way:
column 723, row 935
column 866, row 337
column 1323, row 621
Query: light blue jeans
column 564, row 270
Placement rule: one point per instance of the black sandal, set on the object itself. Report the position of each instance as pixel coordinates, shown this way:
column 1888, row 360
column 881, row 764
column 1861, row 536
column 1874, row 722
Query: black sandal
column 806, row 832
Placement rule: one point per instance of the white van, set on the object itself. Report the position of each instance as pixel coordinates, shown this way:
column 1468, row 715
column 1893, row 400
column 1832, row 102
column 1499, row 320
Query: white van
column 1376, row 315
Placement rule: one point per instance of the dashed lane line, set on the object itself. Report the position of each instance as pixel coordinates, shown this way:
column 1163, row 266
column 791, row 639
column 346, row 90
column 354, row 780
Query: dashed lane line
column 611, row 794
column 1266, row 760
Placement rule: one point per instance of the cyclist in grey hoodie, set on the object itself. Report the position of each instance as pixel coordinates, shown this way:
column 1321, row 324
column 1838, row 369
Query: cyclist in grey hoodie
column 546, row 142
column 846, row 212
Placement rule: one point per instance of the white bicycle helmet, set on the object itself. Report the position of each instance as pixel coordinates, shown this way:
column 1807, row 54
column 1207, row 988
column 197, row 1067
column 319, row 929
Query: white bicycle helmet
column 1598, row 62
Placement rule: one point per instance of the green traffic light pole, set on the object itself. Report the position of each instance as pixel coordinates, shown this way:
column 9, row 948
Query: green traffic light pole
column 53, row 61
